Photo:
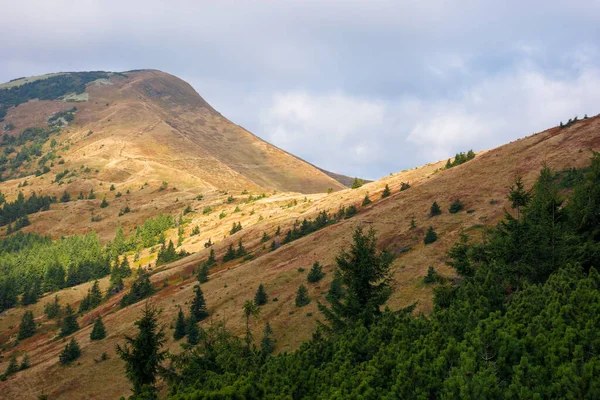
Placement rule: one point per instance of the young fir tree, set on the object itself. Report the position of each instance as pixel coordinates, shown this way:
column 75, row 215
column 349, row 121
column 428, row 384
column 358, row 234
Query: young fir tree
column 386, row 192
column 265, row 238
column 413, row 223
column 302, row 298
column 316, row 273
column 430, row 236
column 25, row 362
column 230, row 254
column 192, row 331
column 366, row 201
column 241, row 251
column 273, row 246
column 261, row 297
column 435, row 209
column 211, row 261
column 364, row 273
column 198, row 306
column 12, row 367
column 267, row 344
column 250, row 310
column 203, row 274
column 91, row 196
column 519, row 197
column 104, row 203
column 52, row 309
column 431, row 276
column 142, row 354
column 66, row 197
column 27, row 328
column 180, row 325
column 336, row 291
column 456, row 206
column 70, row 353
column 95, row 295
column 357, row 183
column 69, row 323
column 278, row 231
column 98, row 331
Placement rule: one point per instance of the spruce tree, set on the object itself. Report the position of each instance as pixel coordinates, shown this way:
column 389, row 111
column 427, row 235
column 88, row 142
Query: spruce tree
column 70, row 353
column 12, row 367
column 261, row 297
column 265, row 238
column 302, row 298
column 142, row 354
column 267, row 344
column 431, row 276
column 273, row 246
column 69, row 323
column 91, row 196
column 192, row 331
column 456, row 206
column 413, row 223
column 66, row 197
column 430, row 236
column 230, row 254
column 386, row 192
column 519, row 197
column 211, row 261
column 364, row 272
column 336, row 291
column 95, row 295
column 198, row 306
column 250, row 309
column 316, row 273
column 203, row 274
column 180, row 325
column 357, row 183
column 366, row 201
column 435, row 209
column 278, row 231
column 104, row 203
column 98, row 331
column 52, row 309
column 25, row 363
column 241, row 251
column 27, row 328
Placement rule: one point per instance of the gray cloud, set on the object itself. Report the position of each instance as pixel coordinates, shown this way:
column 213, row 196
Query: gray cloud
column 362, row 88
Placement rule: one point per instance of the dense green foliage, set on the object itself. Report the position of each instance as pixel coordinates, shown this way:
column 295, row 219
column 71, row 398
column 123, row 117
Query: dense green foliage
column 69, row 323
column 27, row 328
column 456, row 206
column 141, row 288
column 98, row 331
column 167, row 254
column 386, row 192
column 10, row 212
column 70, row 353
column 430, row 236
column 316, row 273
column 34, row 263
column 435, row 209
column 521, row 322
column 261, row 297
column 460, row 158
column 198, row 309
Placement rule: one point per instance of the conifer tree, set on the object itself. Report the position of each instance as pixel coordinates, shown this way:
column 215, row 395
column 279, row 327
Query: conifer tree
column 364, row 273
column 456, row 206
column 430, row 236
column 70, row 353
column 142, row 354
column 91, row 196
column 69, row 323
column 302, row 298
column 273, row 246
column 250, row 309
column 267, row 344
column 230, row 254
column 261, row 297
column 66, row 197
column 265, row 238
column 81, row 196
column 336, row 291
column 413, row 223
column 435, row 209
column 386, row 192
column 95, row 295
column 278, row 231
column 27, row 328
column 211, row 261
column 25, row 363
column 12, row 367
column 104, row 203
column 357, row 183
column 180, row 325
column 98, row 331
column 203, row 273
column 192, row 331
column 241, row 251
column 52, row 309
column 431, row 276
column 519, row 197
column 366, row 201
column 198, row 306
column 316, row 273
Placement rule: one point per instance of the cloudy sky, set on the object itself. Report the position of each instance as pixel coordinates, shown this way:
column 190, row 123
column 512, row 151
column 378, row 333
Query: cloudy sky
column 363, row 88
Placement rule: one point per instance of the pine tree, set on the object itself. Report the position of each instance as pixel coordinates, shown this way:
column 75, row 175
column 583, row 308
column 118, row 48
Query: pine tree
column 386, row 192
column 95, row 295
column 192, row 331
column 273, row 246
column 413, row 223
column 250, row 309
column 278, row 231
column 431, row 276
column 69, row 323
column 261, row 297
column 265, row 238
column 104, row 203
column 316, row 273
column 211, row 261
column 366, row 201
column 364, row 272
column 27, row 328
column 518, row 196
column 435, row 209
column 357, row 183
column 66, row 197
column 180, row 325
column 98, row 331
column 52, row 309
column 336, row 291
column 12, row 367
column 430, row 236
column 25, row 363
column 241, row 251
column 230, row 254
column 91, row 196
column 267, row 344
column 203, row 274
column 71, row 352
column 142, row 354
column 81, row 196
column 198, row 306
column 302, row 298
column 456, row 206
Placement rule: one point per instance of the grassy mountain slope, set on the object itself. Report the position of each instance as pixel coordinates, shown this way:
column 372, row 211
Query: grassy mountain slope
column 481, row 184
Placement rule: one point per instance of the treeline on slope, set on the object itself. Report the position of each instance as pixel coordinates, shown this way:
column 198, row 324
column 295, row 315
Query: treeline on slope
column 32, row 265
column 521, row 322
column 15, row 210
column 52, row 88
column 460, row 158
column 308, row 226
column 150, row 233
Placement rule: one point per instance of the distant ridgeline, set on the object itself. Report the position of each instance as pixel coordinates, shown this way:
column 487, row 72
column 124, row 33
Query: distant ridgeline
column 521, row 322
column 51, row 88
